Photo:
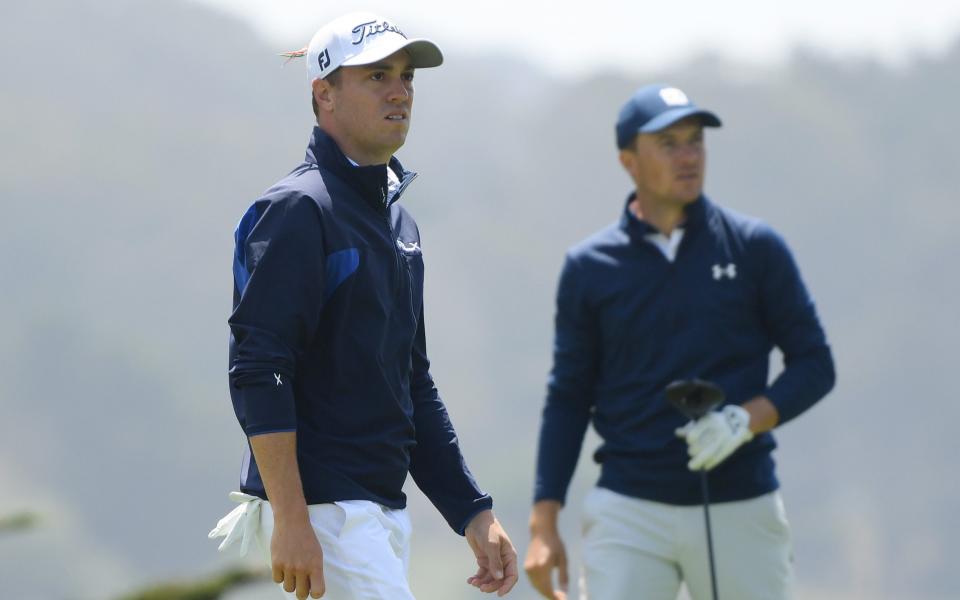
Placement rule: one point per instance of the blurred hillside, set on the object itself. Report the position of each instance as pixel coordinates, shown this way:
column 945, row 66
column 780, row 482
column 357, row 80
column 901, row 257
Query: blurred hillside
column 135, row 134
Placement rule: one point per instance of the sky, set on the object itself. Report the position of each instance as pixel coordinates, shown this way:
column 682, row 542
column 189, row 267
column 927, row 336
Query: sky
column 576, row 38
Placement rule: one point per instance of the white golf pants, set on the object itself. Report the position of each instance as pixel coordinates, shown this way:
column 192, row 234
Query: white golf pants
column 366, row 547
column 636, row 549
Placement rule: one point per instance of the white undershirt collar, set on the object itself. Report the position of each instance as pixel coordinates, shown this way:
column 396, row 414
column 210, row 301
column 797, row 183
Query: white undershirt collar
column 667, row 245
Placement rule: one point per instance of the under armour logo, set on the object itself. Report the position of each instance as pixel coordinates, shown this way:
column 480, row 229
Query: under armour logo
column 277, row 377
column 324, row 59
column 730, row 271
column 411, row 248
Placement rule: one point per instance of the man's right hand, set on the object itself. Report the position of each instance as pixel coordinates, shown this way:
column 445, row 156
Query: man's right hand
column 546, row 552
column 297, row 560
column 295, row 553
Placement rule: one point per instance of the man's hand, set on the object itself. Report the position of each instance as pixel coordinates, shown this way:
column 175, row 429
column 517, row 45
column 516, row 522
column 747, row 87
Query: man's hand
column 546, row 552
column 295, row 552
column 297, row 560
column 714, row 436
column 496, row 557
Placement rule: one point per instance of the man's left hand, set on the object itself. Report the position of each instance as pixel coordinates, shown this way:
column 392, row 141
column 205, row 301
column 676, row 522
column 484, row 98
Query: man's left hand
column 714, row 436
column 496, row 556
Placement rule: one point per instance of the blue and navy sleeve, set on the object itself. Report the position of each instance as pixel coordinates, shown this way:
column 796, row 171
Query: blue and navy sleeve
column 566, row 413
column 278, row 297
column 790, row 318
column 436, row 463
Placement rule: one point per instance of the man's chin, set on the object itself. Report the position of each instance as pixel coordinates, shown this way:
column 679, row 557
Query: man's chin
column 689, row 194
column 395, row 142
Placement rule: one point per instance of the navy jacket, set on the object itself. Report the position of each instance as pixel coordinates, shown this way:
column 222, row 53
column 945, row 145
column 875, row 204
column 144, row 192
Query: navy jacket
column 629, row 322
column 327, row 339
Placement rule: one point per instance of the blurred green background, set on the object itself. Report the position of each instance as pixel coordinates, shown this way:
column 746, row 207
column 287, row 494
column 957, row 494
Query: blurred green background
column 135, row 134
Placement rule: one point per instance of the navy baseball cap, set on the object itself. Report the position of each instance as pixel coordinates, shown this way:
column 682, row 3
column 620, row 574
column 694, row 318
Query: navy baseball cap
column 655, row 107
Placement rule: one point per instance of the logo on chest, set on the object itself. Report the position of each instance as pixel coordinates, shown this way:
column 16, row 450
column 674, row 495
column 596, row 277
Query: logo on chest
column 413, row 248
column 720, row 271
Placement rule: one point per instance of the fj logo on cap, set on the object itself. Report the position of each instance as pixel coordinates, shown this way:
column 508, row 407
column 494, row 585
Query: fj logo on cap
column 324, row 59
column 674, row 97
column 729, row 271
column 372, row 28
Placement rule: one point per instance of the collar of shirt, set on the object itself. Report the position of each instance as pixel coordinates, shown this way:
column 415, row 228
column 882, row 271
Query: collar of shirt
column 393, row 181
column 642, row 232
column 368, row 181
column 667, row 245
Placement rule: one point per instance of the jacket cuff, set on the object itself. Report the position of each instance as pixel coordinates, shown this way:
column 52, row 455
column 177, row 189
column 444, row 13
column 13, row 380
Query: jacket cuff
column 268, row 408
column 478, row 506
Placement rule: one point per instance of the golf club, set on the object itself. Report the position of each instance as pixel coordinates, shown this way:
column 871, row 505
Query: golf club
column 695, row 398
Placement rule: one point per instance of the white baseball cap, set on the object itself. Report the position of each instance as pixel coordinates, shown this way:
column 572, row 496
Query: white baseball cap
column 362, row 38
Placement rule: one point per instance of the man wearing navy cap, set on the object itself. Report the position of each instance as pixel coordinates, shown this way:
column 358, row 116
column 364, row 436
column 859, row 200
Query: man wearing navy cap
column 678, row 288
column 329, row 374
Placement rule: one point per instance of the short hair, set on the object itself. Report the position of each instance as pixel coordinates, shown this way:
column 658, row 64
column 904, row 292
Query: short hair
column 334, row 79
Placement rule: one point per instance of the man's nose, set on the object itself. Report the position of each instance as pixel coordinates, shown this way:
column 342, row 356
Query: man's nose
column 399, row 91
column 689, row 153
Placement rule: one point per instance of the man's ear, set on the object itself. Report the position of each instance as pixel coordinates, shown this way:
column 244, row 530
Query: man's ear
column 323, row 95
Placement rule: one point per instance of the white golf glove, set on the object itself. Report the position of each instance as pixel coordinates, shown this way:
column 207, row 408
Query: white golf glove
column 714, row 436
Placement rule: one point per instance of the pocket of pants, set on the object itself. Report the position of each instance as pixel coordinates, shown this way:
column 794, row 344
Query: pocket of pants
column 400, row 530
column 362, row 536
column 596, row 504
column 775, row 516
column 327, row 521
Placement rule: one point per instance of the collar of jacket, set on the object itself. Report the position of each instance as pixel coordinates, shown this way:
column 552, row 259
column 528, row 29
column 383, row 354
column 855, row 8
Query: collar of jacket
column 637, row 229
column 369, row 181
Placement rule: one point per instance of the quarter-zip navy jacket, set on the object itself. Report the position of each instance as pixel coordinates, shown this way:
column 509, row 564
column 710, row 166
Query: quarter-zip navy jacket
column 327, row 339
column 629, row 322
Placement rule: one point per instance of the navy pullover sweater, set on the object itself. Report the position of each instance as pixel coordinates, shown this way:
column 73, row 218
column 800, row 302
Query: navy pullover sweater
column 327, row 339
column 629, row 322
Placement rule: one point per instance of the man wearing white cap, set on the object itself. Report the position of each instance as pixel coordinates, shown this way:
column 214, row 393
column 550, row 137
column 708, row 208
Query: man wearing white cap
column 677, row 289
column 329, row 374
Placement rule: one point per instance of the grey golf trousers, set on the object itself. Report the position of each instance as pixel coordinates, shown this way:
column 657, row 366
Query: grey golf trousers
column 641, row 550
